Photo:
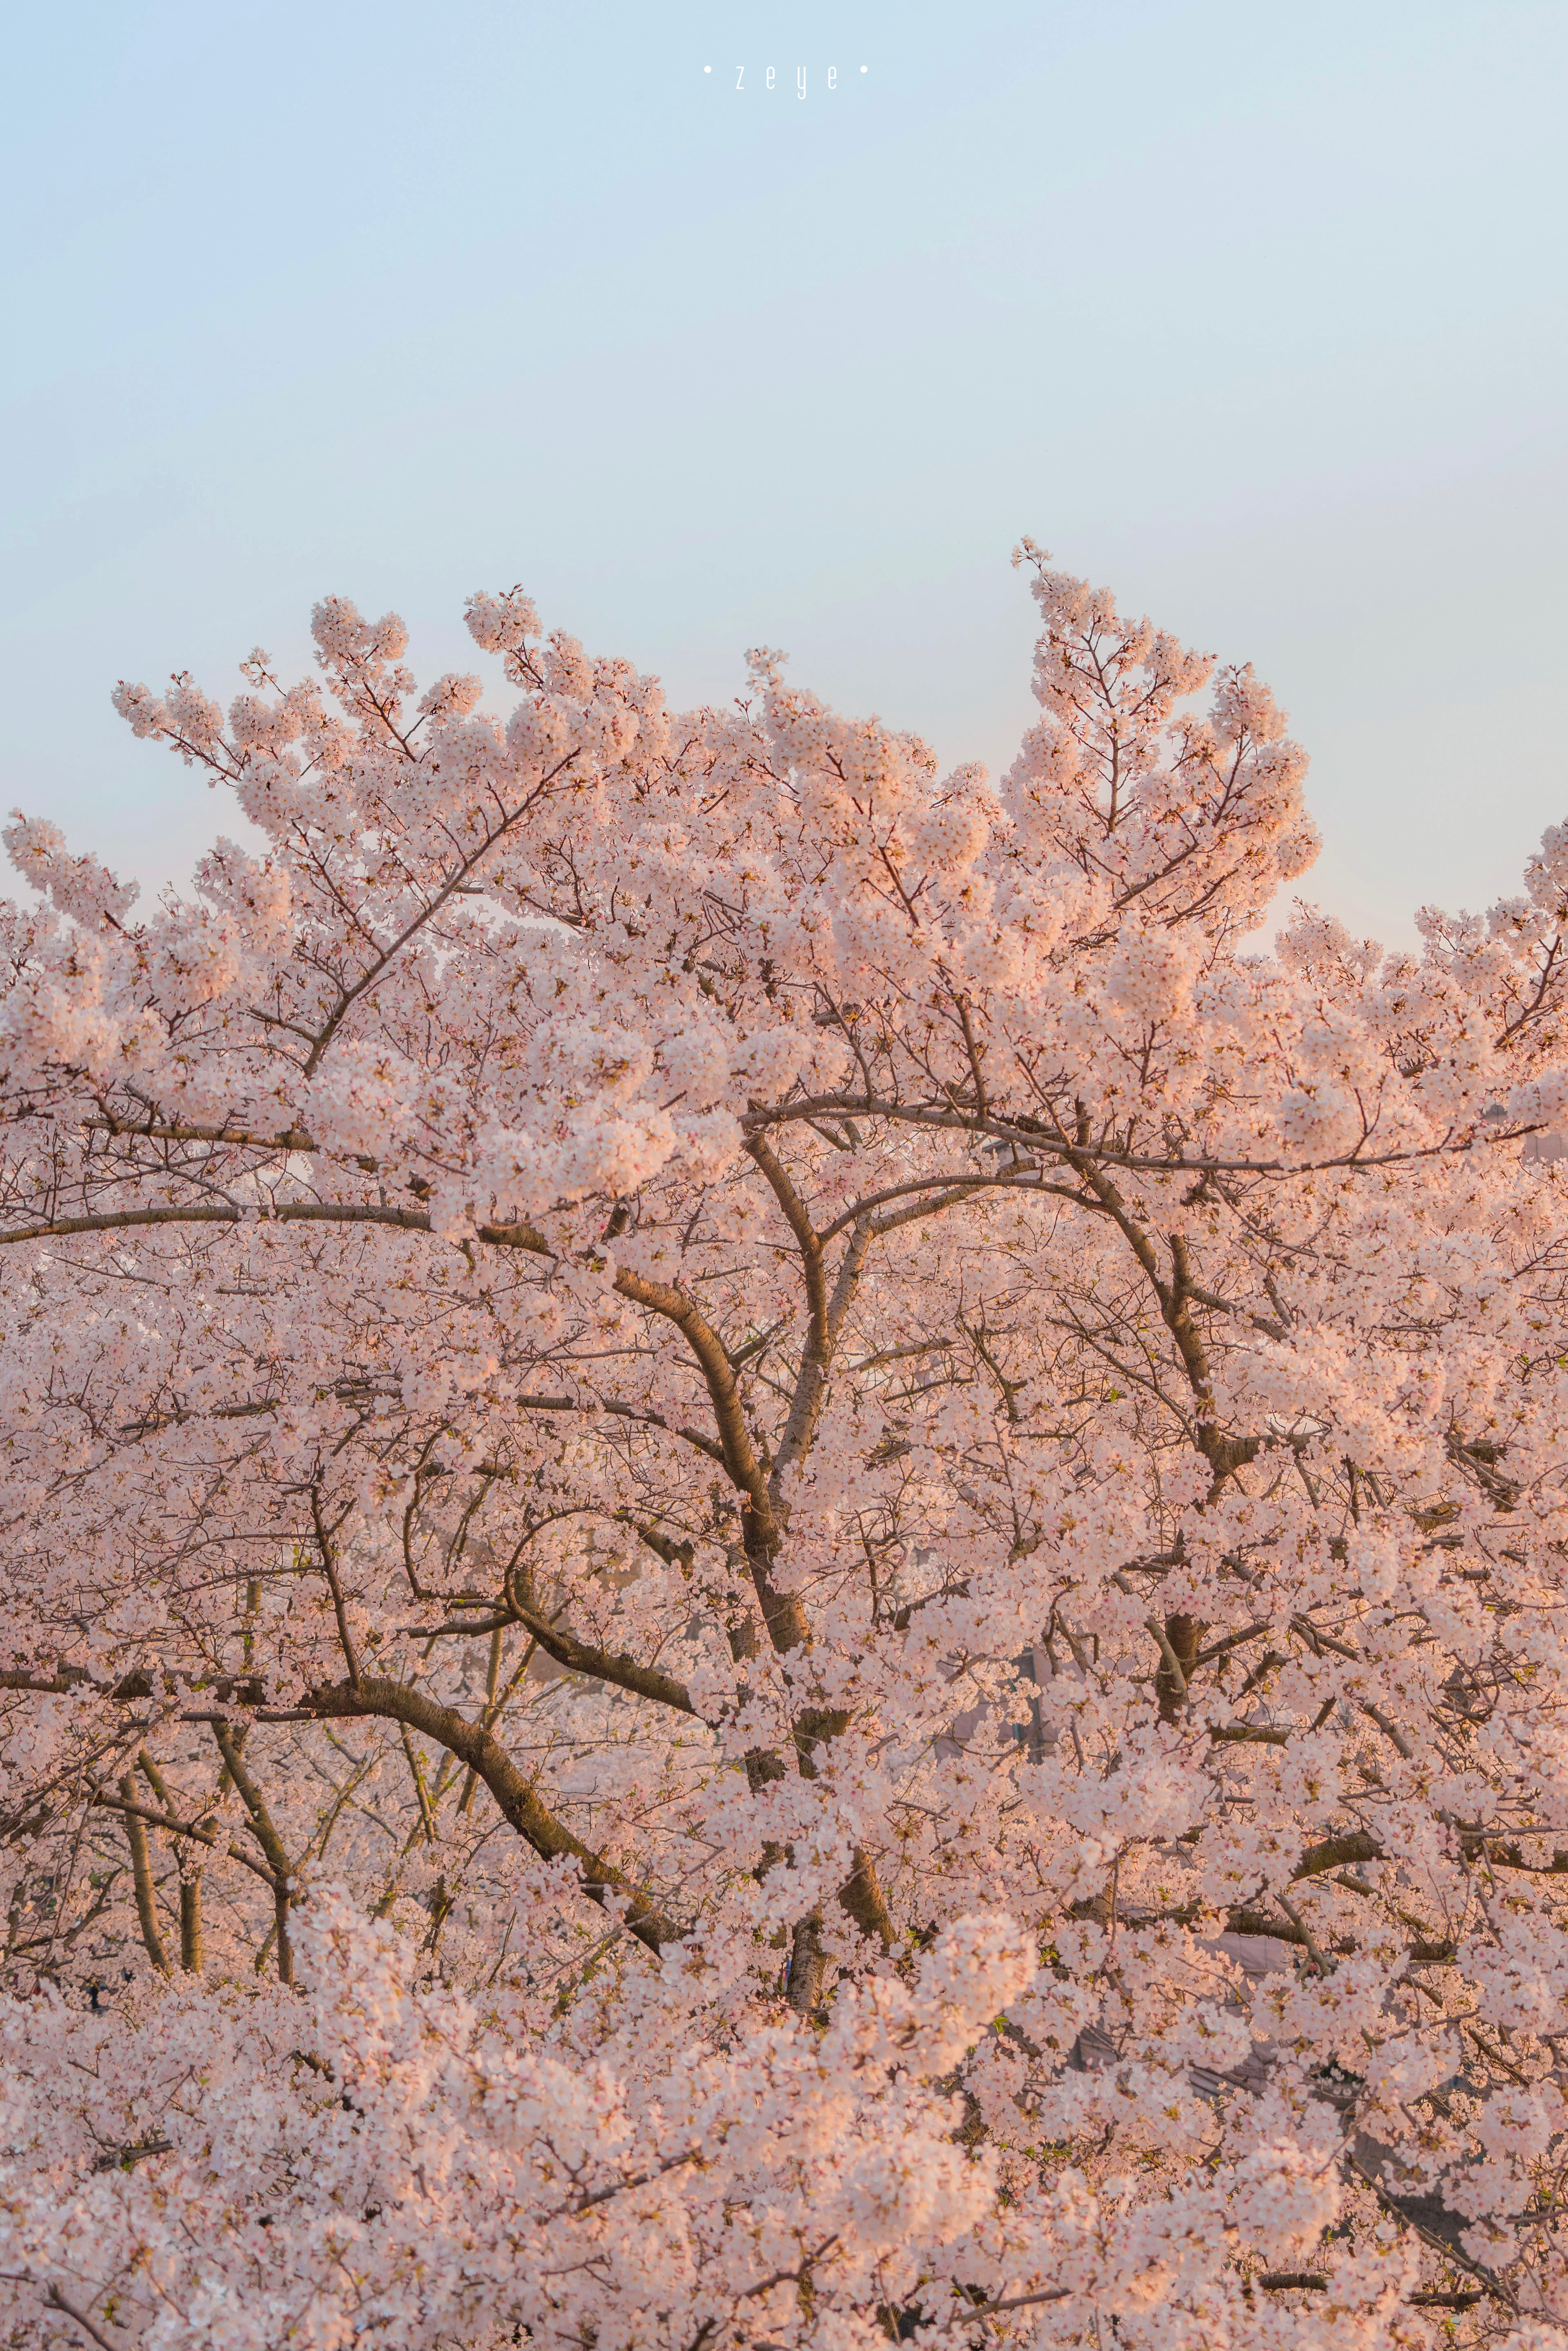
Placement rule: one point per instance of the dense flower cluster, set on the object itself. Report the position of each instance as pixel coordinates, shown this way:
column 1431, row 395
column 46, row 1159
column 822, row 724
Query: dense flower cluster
column 781, row 1569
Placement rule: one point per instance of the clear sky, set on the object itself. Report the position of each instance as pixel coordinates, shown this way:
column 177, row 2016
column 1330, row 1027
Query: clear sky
column 1255, row 311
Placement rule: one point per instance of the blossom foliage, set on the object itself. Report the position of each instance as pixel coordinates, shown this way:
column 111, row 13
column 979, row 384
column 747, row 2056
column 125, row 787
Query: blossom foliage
column 783, row 1566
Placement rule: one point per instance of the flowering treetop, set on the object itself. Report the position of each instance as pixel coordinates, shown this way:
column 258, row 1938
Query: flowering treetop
column 781, row 1563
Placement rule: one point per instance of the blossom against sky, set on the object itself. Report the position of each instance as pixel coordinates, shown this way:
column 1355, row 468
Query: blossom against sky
column 1259, row 311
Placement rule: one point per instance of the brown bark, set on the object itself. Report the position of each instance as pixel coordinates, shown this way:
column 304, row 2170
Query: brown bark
column 266, row 1836
column 1183, row 1634
column 375, row 1695
column 808, row 1964
column 191, row 1950
column 141, row 1877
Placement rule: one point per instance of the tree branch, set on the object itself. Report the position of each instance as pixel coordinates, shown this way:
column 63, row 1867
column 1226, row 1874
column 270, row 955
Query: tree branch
column 471, row 1744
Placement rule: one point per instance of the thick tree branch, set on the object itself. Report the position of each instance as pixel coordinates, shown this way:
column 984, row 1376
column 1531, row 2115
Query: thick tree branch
column 141, row 1875
column 471, row 1744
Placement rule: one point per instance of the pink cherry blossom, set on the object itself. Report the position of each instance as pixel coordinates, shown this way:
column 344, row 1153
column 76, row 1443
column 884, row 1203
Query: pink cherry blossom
column 784, row 1566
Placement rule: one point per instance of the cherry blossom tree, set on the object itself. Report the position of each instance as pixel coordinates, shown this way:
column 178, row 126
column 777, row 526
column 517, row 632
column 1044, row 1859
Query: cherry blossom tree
column 783, row 1566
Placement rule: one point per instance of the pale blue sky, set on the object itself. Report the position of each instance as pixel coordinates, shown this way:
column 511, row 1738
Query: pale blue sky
column 1255, row 311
